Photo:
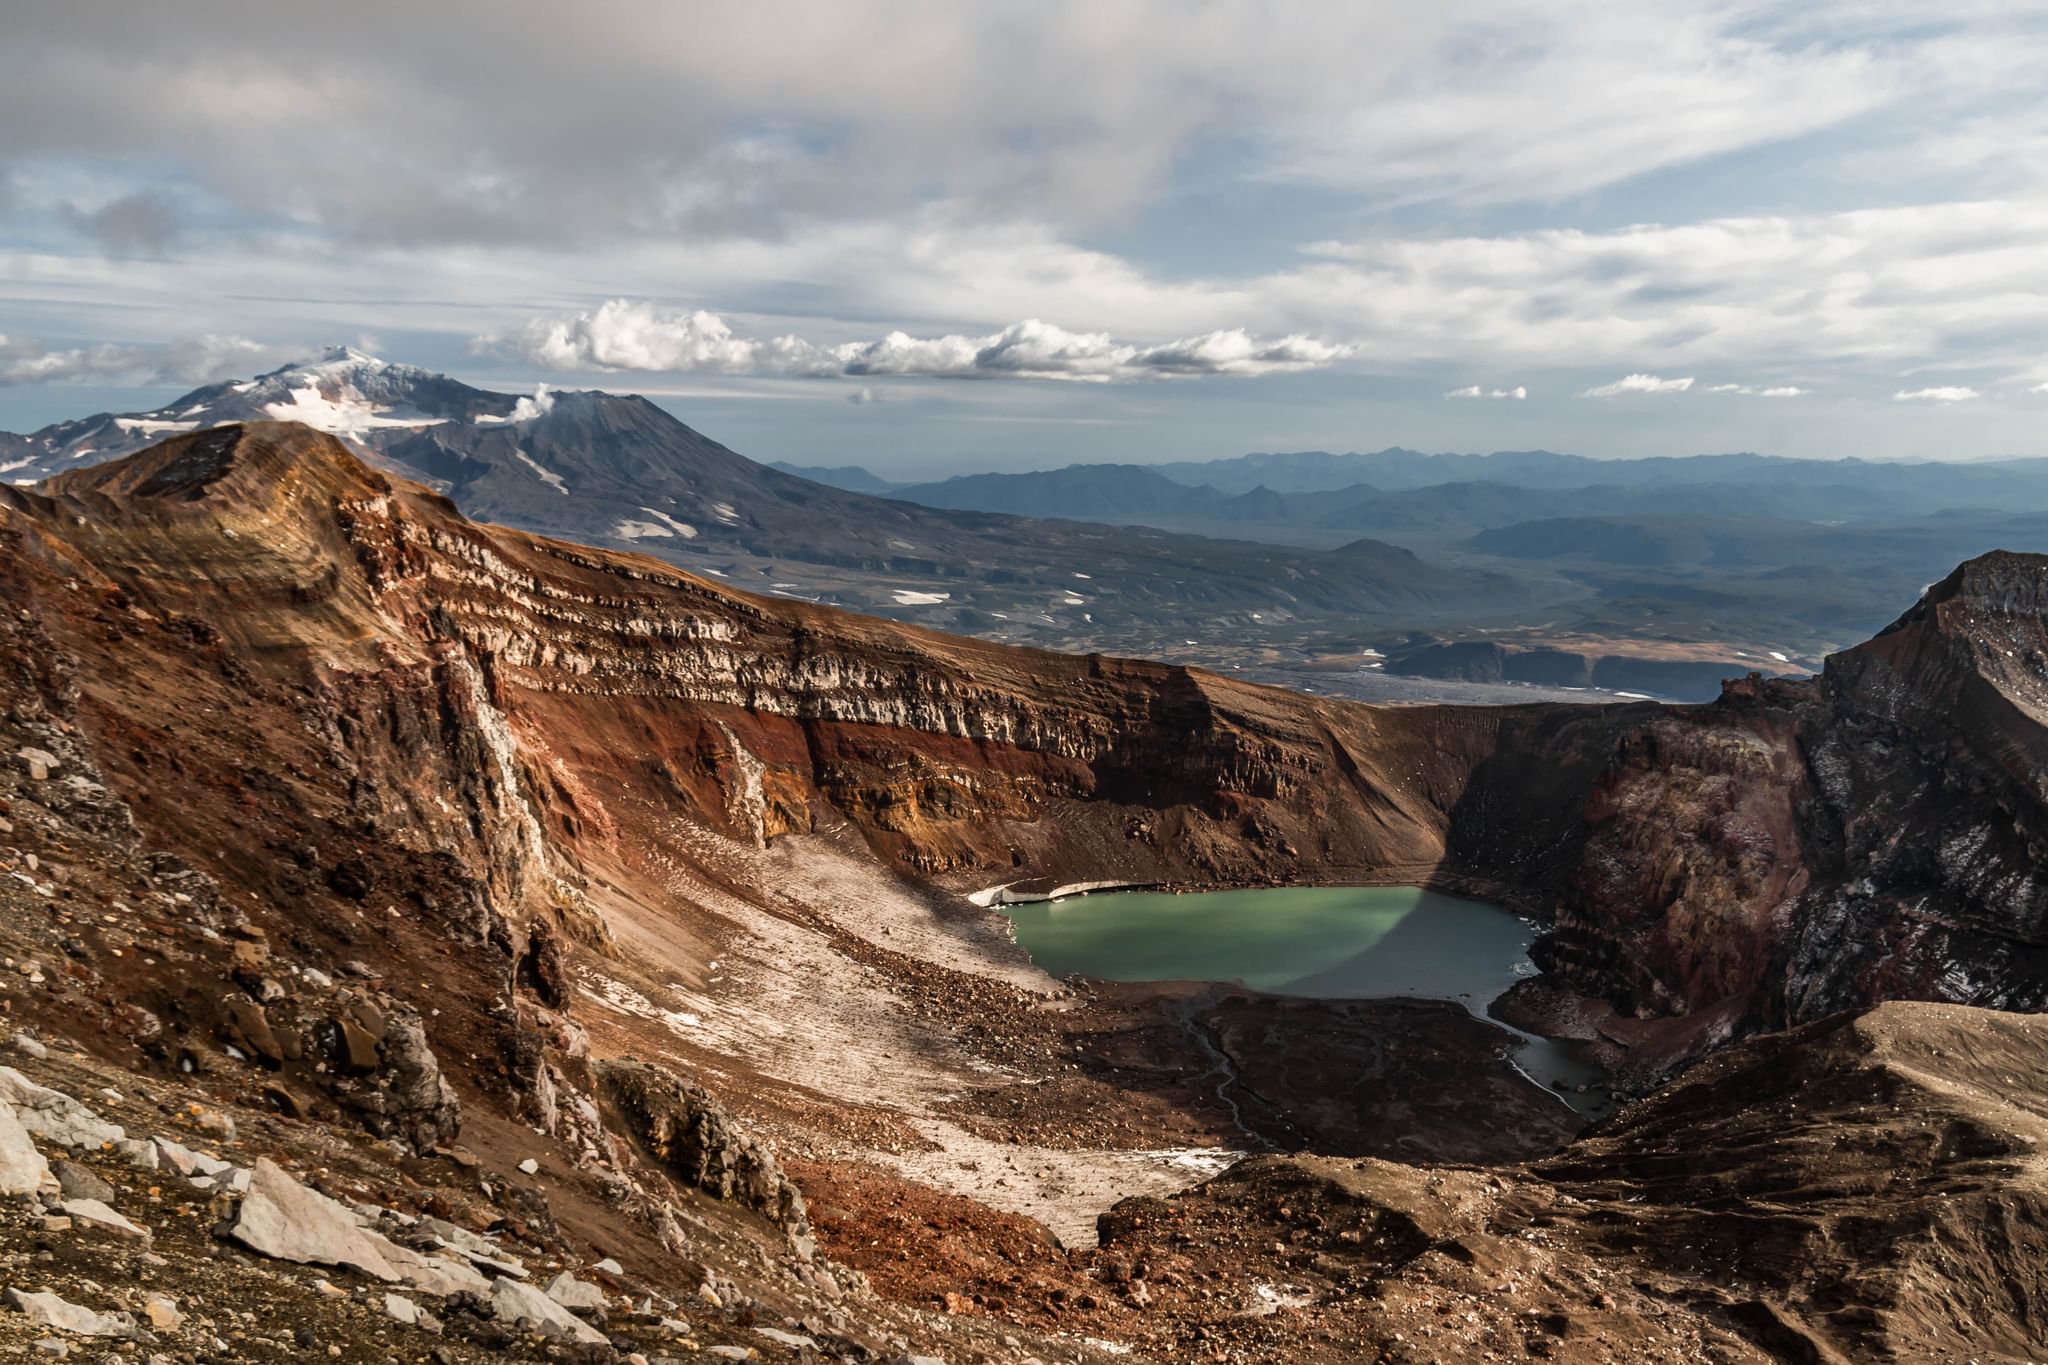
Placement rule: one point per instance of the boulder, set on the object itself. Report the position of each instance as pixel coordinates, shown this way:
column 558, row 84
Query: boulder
column 515, row 1303
column 99, row 1216
column 355, row 1047
column 579, row 1296
column 407, row 1096
column 438, row 1275
column 281, row 1218
column 22, row 1168
column 248, row 1027
column 80, row 1182
column 47, row 1310
column 140, row 1153
column 54, row 1116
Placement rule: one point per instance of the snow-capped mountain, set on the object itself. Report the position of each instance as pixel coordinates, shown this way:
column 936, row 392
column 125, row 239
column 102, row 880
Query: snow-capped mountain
column 344, row 392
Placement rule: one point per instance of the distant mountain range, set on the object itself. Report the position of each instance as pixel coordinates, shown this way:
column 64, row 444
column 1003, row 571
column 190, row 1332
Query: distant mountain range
column 1405, row 489
column 1769, row 557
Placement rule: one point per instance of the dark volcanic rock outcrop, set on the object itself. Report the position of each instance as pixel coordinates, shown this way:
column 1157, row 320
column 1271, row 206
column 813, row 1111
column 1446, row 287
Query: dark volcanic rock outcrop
column 697, row 1140
column 1805, row 847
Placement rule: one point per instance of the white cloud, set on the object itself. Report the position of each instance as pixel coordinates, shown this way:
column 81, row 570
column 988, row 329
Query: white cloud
column 2039, row 388
column 200, row 360
column 1639, row 383
column 1475, row 391
column 625, row 335
column 1942, row 394
column 1934, row 282
column 1775, row 391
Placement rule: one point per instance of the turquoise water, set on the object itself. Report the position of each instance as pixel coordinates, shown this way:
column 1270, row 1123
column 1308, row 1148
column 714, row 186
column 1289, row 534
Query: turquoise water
column 1328, row 943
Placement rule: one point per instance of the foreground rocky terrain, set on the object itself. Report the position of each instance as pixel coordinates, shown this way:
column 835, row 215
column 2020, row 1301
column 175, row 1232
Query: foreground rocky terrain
column 440, row 911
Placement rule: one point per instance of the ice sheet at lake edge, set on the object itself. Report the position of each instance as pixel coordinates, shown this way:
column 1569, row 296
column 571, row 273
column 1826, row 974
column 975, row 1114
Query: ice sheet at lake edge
column 1330, row 943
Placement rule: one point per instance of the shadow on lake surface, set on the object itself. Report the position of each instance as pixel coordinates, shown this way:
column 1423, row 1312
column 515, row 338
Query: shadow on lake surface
column 1323, row 943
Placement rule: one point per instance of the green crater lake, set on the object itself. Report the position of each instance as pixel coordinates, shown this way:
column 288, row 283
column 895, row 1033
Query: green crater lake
column 1327, row 943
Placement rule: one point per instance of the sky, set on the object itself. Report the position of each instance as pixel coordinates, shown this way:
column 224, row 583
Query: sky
column 934, row 238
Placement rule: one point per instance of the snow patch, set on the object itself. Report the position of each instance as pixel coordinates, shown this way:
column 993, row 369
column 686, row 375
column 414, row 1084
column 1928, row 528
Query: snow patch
column 681, row 528
column 346, row 414
column 547, row 476
column 906, row 598
column 149, row 427
column 640, row 530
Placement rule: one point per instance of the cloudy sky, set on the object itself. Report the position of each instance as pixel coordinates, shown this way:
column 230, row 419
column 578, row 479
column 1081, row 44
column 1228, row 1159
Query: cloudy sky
column 930, row 237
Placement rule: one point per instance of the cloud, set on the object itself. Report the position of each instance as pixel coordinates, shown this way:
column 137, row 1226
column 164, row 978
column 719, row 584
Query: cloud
column 739, row 122
column 1776, row 391
column 138, row 224
column 201, row 360
column 1474, row 391
column 1901, row 286
column 1943, row 394
column 1639, row 383
column 1849, row 300
column 2039, row 388
column 621, row 334
column 1507, row 113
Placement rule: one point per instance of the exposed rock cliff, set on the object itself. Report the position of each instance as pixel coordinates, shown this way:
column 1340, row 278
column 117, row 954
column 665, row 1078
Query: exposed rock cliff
column 1873, row 833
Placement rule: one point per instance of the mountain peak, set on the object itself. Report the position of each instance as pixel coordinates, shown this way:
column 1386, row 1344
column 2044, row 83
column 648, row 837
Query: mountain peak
column 339, row 363
column 349, row 355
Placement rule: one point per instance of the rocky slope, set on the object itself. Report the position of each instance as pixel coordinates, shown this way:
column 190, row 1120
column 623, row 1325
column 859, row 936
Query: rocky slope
column 614, row 914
